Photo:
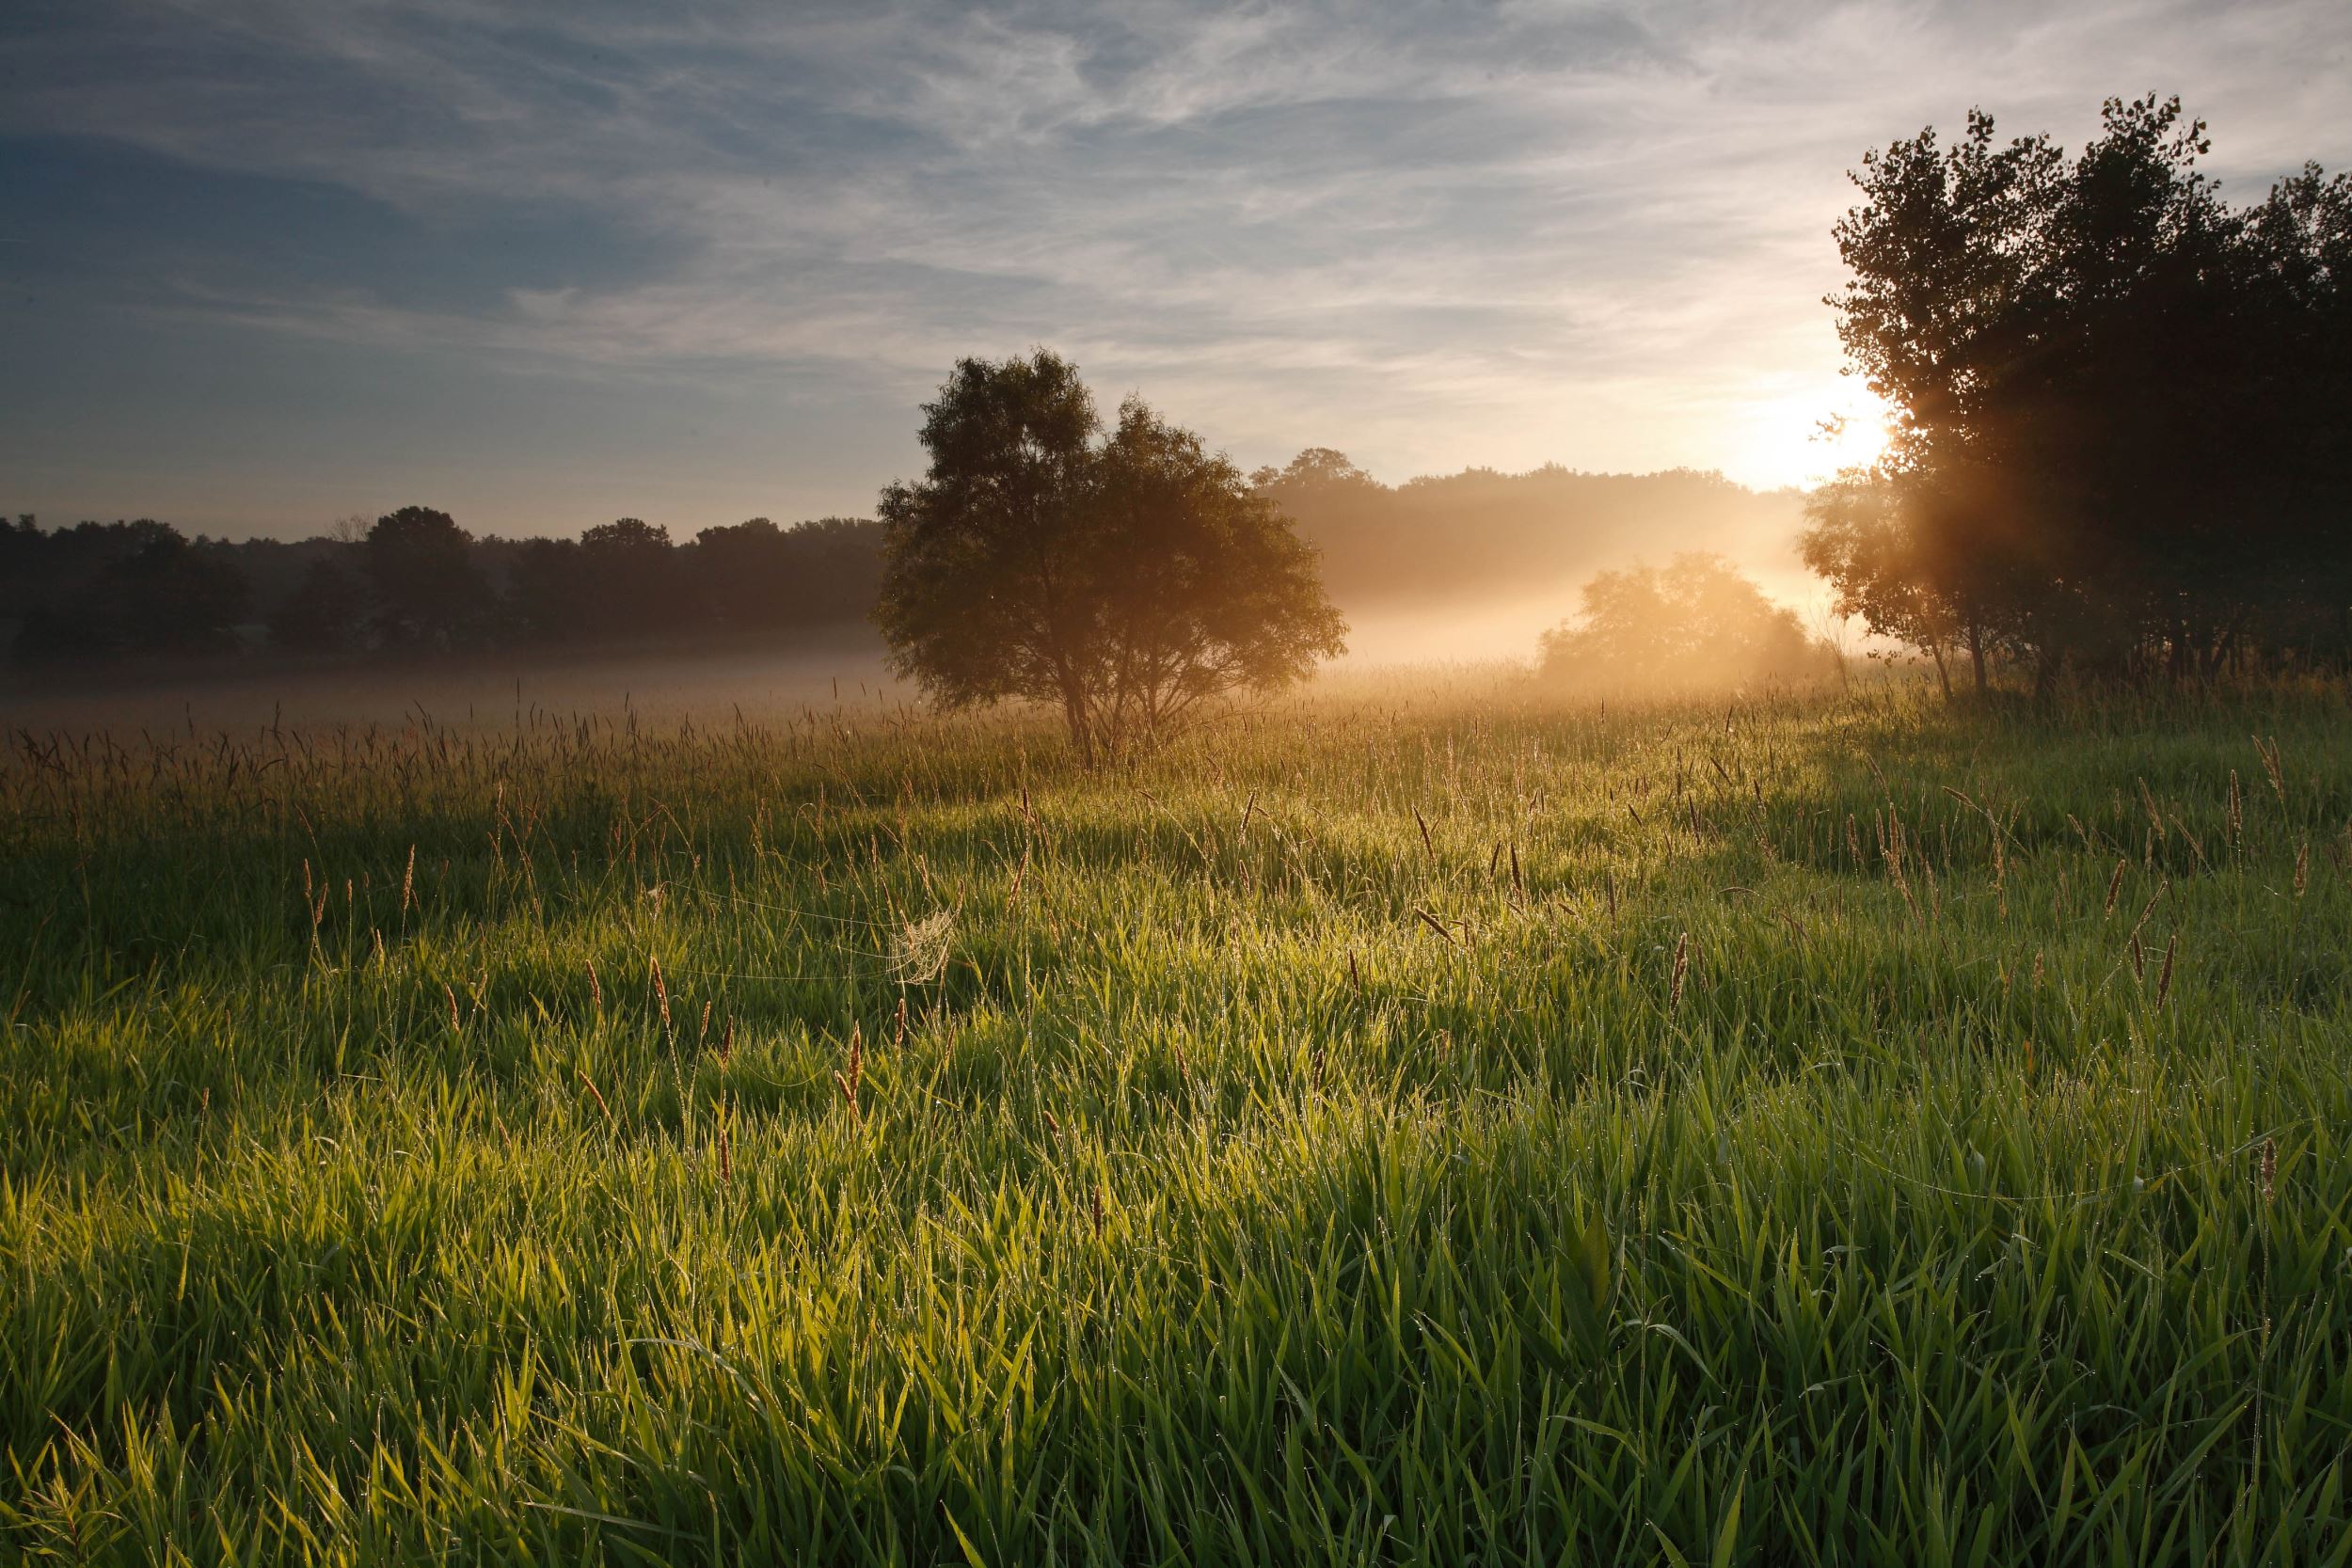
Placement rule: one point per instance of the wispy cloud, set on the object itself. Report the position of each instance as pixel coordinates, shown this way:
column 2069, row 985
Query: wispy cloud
column 1434, row 234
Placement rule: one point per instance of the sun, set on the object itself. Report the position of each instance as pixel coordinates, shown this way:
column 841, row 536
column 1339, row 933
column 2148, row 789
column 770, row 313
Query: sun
column 1802, row 436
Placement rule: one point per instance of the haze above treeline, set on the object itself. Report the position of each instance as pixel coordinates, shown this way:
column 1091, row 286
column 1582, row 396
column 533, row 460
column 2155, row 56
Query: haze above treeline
column 1472, row 565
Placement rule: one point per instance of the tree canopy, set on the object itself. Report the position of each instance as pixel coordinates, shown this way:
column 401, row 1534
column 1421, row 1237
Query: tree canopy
column 426, row 587
column 2121, row 437
column 1125, row 577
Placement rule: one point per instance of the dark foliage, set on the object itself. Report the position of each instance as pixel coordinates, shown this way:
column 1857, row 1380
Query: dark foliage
column 326, row 612
column 1126, row 577
column 120, row 589
column 749, row 575
column 424, row 585
column 2123, row 441
column 415, row 580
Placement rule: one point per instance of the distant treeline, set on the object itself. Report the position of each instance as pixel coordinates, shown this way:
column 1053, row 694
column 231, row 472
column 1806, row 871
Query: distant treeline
column 413, row 580
column 1453, row 539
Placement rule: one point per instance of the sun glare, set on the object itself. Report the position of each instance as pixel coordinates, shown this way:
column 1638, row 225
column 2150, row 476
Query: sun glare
column 1803, row 436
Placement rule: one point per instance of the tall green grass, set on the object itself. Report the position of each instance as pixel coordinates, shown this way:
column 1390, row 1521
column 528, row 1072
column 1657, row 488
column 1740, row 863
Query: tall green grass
column 1403, row 1126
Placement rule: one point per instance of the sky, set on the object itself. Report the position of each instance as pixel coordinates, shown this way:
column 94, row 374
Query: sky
column 268, row 262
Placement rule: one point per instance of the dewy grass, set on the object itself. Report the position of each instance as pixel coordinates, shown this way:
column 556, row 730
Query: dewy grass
column 1397, row 1127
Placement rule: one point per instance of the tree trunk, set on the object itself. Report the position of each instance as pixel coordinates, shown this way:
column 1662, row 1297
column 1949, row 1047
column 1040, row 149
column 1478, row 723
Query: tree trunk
column 1073, row 712
column 1975, row 655
column 2048, row 657
column 1943, row 675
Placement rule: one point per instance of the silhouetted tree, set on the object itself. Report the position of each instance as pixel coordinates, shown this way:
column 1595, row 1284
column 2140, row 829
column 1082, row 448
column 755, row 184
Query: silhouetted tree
column 425, row 588
column 1315, row 467
column 757, row 580
column 1125, row 579
column 414, row 579
column 2296, row 410
column 22, row 552
column 2120, row 434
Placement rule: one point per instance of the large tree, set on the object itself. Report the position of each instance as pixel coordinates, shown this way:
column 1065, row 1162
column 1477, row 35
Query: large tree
column 2119, row 436
column 422, row 579
column 1127, row 578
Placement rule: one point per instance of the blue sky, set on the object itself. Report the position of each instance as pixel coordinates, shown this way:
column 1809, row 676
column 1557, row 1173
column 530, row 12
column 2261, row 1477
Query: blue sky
column 264, row 262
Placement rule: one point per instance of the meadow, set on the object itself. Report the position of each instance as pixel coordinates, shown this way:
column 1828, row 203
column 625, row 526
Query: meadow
column 1417, row 1121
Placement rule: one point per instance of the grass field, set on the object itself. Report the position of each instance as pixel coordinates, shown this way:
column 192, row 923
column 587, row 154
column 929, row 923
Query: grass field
column 1412, row 1124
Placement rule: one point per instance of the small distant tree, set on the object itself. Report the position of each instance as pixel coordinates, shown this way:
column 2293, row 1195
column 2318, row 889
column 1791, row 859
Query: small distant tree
column 1694, row 624
column 1127, row 578
column 1316, row 466
column 422, row 580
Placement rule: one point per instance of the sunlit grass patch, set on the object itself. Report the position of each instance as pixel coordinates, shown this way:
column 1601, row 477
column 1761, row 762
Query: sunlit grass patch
column 1390, row 1127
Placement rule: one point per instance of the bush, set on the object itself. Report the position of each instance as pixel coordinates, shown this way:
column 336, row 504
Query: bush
column 1695, row 625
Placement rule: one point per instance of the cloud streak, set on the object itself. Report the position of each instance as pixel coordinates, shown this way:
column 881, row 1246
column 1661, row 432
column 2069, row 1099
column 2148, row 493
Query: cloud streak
column 1433, row 235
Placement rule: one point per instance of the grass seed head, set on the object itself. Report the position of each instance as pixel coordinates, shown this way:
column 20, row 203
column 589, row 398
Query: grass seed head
column 2268, row 752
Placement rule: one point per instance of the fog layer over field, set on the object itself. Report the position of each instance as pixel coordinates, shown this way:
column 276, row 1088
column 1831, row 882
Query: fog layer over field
column 711, row 686
column 1474, row 566
column 1479, row 565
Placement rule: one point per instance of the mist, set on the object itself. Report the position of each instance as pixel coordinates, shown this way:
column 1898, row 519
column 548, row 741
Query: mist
column 1474, row 566
column 1479, row 565
column 664, row 686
